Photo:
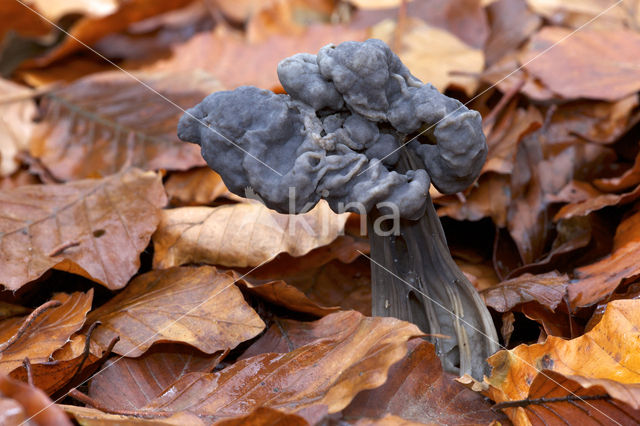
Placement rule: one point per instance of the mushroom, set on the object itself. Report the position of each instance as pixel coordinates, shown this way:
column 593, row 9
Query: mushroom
column 346, row 132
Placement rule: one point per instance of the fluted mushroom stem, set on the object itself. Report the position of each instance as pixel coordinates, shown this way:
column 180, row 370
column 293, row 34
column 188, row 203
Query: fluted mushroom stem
column 414, row 278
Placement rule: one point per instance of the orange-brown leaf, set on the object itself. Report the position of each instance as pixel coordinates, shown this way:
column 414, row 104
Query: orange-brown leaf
column 96, row 228
column 330, row 371
column 245, row 234
column 546, row 289
column 197, row 306
column 40, row 334
column 108, row 121
column 24, row 404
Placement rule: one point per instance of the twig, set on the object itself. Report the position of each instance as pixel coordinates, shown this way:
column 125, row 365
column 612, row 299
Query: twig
column 542, row 401
column 27, row 366
column 27, row 322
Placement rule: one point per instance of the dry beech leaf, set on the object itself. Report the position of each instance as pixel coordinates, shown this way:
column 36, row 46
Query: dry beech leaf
column 95, row 228
column 56, row 9
column 227, row 49
column 67, row 363
column 595, row 64
column 611, row 350
column 546, row 289
column 432, row 54
column 595, row 281
column 17, row 111
column 629, row 178
column 91, row 29
column 511, row 24
column 20, row 178
column 576, row 13
column 196, row 186
column 388, row 420
column 108, row 121
column 15, row 17
column 93, row 417
column 264, row 416
column 329, row 371
column 23, row 404
column 130, row 383
column 8, row 310
column 45, row 330
column 282, row 294
column 555, row 399
column 418, row 390
column 245, row 234
column 584, row 207
column 197, row 306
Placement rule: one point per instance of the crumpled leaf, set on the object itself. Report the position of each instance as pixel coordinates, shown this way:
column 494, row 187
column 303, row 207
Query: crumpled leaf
column 196, row 187
column 329, row 371
column 45, row 330
column 584, row 207
column 611, row 350
column 245, row 234
column 595, row 281
column 17, row 110
column 512, row 22
column 629, row 178
column 108, row 121
column 130, row 383
column 200, row 306
column 432, row 54
column 68, row 363
column 24, row 404
column 91, row 227
column 546, row 289
column 604, row 60
column 418, row 390
column 556, row 398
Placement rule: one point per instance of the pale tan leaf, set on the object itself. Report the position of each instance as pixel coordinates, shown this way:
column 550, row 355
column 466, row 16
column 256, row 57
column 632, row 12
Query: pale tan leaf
column 96, row 228
column 245, row 234
column 17, row 111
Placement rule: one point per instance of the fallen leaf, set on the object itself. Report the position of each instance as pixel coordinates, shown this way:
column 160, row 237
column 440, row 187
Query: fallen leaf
column 576, row 13
column 17, row 110
column 282, row 294
column 609, row 351
column 418, row 390
column 45, row 330
column 20, row 178
column 197, row 306
column 546, row 289
column 628, row 179
column 388, row 420
column 226, row 49
column 330, row 372
column 24, row 404
column 15, row 17
column 263, row 416
column 108, row 121
column 93, row 417
column 511, row 23
column 583, row 208
column 8, row 310
column 432, row 54
column 92, row 228
column 595, row 64
column 555, row 398
column 597, row 280
column 55, row 9
column 130, row 383
column 196, row 186
column 245, row 234
column 90, row 29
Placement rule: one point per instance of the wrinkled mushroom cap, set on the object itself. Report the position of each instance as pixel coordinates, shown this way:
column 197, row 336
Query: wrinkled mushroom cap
column 338, row 133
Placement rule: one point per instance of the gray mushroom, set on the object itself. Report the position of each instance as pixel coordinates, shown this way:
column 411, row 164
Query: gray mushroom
column 345, row 133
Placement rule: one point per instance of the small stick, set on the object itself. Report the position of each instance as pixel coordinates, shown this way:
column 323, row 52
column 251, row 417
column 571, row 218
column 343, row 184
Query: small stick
column 27, row 366
column 27, row 322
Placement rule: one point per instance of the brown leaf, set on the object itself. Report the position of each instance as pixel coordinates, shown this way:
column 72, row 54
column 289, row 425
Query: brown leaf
column 511, row 24
column 108, row 121
column 556, row 398
column 432, row 54
column 245, row 234
column 24, row 404
column 92, row 417
column 17, row 111
column 546, row 289
column 594, row 64
column 130, row 383
column 282, row 294
column 227, row 49
column 20, row 178
column 91, row 29
column 628, row 179
column 418, row 390
column 611, row 350
column 95, row 228
column 330, row 371
column 577, row 13
column 66, row 364
column 263, row 416
column 196, row 186
column 45, row 330
column 197, row 306
column 583, row 208
column 15, row 17
column 8, row 310
column 599, row 279
column 388, row 420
